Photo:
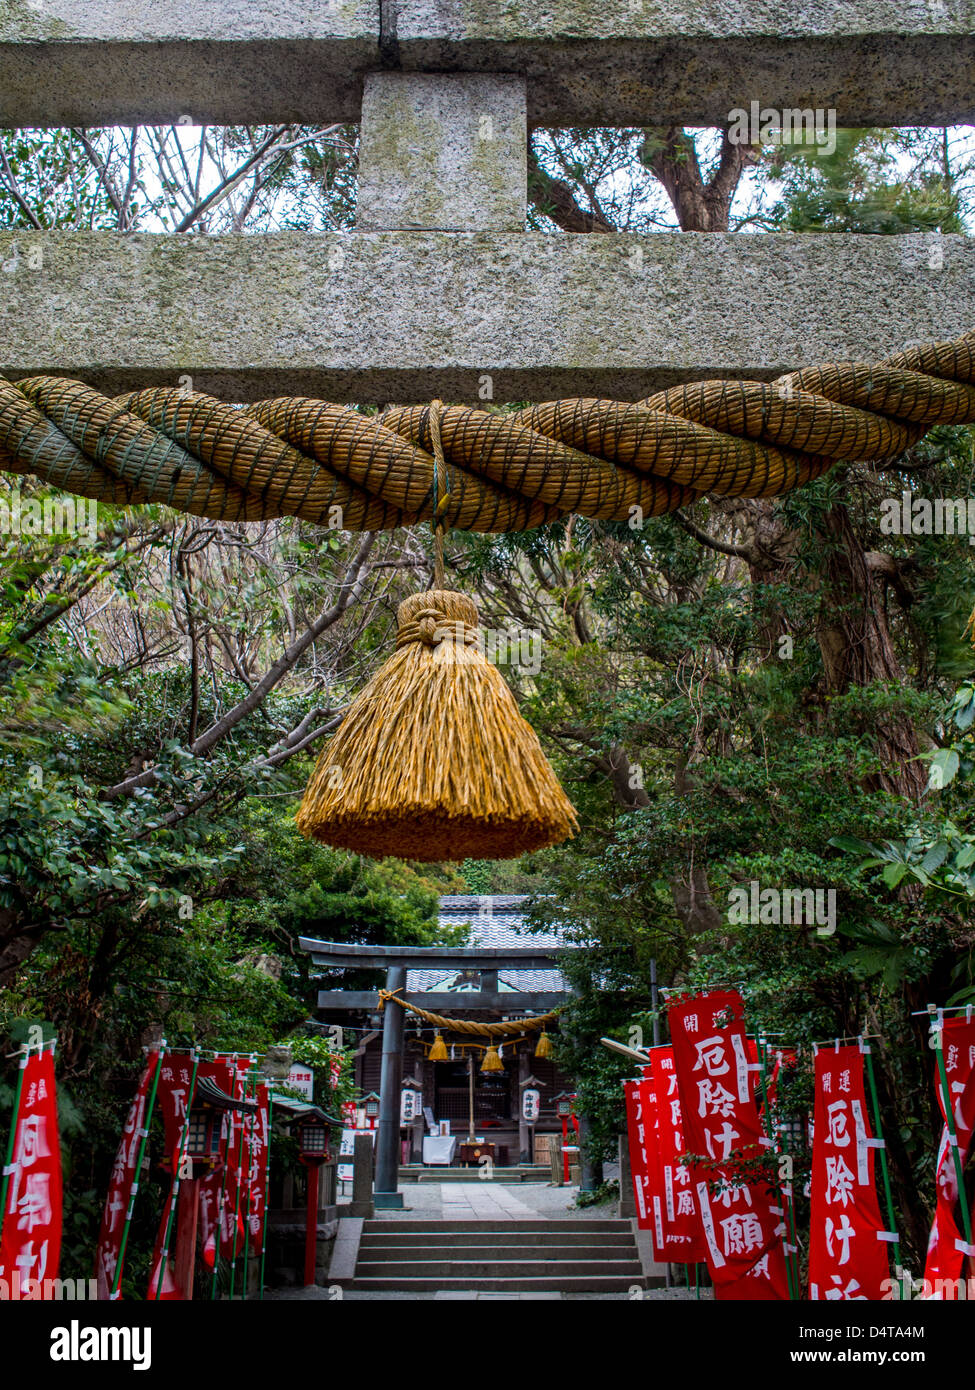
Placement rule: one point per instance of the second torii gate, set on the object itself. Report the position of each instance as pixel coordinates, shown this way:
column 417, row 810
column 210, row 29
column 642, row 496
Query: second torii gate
column 396, row 960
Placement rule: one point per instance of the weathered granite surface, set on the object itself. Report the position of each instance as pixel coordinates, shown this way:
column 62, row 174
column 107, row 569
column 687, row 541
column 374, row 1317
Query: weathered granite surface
column 400, row 316
column 443, row 151
column 626, row 62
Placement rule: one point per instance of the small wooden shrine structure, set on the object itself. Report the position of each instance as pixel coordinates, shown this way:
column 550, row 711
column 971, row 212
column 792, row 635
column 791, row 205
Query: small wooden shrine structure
column 500, row 976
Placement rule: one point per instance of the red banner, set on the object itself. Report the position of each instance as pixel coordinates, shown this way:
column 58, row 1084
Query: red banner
column 123, row 1185
column 232, row 1195
column 175, row 1082
column 847, row 1257
column 234, row 1209
column 946, row 1247
column 30, row 1245
column 677, row 1225
column 742, row 1217
column 209, row 1215
column 175, row 1095
column 640, row 1108
column 257, row 1149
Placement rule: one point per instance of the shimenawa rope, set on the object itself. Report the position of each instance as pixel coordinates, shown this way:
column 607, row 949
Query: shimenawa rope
column 478, row 470
column 507, row 1028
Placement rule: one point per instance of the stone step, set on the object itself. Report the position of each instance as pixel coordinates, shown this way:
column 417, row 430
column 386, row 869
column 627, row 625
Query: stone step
column 408, row 1253
column 487, row 1225
column 563, row 1240
column 514, row 1175
column 449, row 1271
column 495, row 1254
column 538, row 1283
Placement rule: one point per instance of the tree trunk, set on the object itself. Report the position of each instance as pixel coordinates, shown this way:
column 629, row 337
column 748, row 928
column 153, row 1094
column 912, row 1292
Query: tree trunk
column 857, row 648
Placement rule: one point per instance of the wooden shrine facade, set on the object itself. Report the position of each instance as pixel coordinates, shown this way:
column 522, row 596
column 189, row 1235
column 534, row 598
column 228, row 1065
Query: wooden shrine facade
column 482, row 982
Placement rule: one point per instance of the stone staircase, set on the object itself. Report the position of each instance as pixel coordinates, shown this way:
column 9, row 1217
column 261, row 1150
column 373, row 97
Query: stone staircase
column 567, row 1256
column 519, row 1173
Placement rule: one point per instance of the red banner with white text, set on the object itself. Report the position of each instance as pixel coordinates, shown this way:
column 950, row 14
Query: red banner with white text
column 946, row 1247
column 30, row 1243
column 174, row 1097
column 848, row 1252
column 123, row 1184
column 235, row 1191
column 740, row 1208
column 640, row 1106
column 177, row 1084
column 257, row 1149
column 677, row 1226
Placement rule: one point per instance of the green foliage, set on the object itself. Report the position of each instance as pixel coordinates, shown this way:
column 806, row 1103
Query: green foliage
column 860, row 187
column 603, row 1195
column 318, row 1053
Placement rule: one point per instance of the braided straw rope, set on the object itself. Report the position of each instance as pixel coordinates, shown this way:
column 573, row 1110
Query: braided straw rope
column 499, row 472
column 506, row 1029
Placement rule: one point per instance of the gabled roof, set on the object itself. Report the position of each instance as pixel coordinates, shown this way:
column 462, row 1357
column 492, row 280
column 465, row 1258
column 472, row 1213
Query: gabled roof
column 493, row 920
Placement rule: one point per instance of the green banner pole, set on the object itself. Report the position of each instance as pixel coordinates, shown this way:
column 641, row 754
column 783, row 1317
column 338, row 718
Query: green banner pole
column 25, row 1051
column 267, row 1185
column 252, row 1080
column 123, row 1243
column 770, row 1135
column 184, row 1135
column 966, row 1219
column 875, row 1104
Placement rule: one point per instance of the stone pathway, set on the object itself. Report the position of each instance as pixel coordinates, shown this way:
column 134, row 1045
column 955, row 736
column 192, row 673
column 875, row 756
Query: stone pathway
column 479, row 1201
column 483, row 1199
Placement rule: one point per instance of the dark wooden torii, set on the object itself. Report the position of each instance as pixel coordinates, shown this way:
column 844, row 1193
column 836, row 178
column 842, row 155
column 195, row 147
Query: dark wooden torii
column 396, row 960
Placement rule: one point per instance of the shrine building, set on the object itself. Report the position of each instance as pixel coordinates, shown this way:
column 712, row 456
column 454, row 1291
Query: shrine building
column 510, row 1110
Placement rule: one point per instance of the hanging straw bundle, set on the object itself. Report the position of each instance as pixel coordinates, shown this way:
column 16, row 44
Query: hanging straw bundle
column 433, row 760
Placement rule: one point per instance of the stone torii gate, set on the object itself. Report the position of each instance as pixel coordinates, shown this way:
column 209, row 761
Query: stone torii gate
column 440, row 291
column 396, row 960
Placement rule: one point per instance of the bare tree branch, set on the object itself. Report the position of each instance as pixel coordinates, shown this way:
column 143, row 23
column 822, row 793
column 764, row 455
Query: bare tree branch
column 352, row 585
column 724, row 547
column 15, row 193
column 555, row 199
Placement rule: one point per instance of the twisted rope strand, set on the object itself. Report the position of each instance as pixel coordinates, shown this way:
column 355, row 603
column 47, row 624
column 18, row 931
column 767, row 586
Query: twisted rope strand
column 477, row 470
column 505, row 1029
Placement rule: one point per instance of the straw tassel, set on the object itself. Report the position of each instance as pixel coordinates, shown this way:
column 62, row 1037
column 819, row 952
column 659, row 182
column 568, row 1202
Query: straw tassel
column 433, row 761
